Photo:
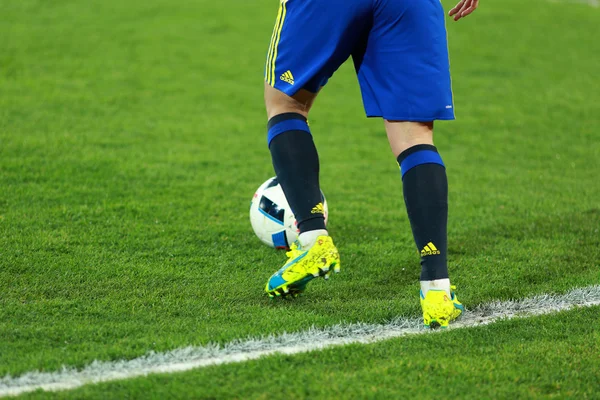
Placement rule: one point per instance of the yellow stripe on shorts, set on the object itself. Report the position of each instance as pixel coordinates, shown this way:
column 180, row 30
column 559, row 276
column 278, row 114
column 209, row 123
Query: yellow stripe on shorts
column 276, row 44
column 272, row 45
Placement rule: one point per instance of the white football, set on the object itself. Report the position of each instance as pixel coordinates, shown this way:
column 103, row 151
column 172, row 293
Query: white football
column 272, row 219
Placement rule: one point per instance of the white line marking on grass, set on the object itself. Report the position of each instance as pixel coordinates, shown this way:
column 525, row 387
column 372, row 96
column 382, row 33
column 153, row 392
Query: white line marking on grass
column 591, row 3
column 288, row 343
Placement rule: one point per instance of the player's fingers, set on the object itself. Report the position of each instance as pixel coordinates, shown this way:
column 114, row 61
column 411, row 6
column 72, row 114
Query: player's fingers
column 467, row 12
column 473, row 6
column 464, row 10
column 458, row 15
column 457, row 8
column 470, row 9
column 457, row 11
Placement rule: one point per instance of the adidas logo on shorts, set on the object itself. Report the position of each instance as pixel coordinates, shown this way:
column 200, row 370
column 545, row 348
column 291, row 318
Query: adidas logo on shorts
column 287, row 77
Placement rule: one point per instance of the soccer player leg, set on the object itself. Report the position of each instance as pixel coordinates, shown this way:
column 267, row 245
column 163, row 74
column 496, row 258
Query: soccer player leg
column 405, row 78
column 296, row 163
column 425, row 188
column 305, row 51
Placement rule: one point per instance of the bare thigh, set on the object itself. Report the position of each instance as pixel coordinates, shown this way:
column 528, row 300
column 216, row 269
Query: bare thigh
column 278, row 102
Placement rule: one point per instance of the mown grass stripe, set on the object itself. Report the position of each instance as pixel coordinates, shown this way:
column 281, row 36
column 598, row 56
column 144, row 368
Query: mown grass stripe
column 313, row 339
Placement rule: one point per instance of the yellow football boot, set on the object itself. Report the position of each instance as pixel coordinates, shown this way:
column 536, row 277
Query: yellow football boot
column 303, row 266
column 439, row 309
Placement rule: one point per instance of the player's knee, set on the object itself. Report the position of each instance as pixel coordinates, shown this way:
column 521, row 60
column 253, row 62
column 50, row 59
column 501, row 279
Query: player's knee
column 278, row 102
column 405, row 134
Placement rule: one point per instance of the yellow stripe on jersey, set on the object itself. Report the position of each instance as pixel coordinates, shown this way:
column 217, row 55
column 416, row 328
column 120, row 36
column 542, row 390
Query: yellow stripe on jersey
column 272, row 78
column 272, row 45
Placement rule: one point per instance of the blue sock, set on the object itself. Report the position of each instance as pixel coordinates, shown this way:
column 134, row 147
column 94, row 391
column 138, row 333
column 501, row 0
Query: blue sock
column 296, row 165
column 425, row 188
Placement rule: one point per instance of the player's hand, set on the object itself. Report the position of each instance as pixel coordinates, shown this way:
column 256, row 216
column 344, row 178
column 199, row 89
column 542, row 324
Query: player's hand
column 463, row 8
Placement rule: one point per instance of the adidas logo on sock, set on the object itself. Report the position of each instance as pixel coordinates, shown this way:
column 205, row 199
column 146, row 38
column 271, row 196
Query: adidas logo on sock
column 287, row 77
column 429, row 250
column 318, row 209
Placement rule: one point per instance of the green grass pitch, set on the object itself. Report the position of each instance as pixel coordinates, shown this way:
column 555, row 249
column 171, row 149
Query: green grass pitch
column 132, row 137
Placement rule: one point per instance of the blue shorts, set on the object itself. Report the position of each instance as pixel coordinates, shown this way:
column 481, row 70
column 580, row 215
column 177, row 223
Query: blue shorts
column 399, row 49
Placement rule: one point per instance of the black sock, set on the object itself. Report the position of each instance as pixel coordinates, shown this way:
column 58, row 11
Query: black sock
column 425, row 187
column 296, row 165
